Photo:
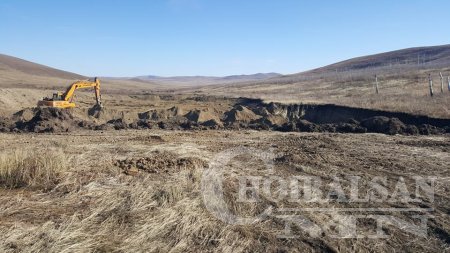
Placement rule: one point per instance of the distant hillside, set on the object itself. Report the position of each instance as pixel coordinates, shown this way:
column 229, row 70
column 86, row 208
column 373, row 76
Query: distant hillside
column 18, row 73
column 418, row 57
column 207, row 80
column 258, row 76
column 402, row 61
column 13, row 64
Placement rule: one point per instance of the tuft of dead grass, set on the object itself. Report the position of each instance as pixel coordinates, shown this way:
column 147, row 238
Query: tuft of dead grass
column 25, row 168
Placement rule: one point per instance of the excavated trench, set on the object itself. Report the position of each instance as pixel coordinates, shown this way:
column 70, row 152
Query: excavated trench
column 243, row 114
column 330, row 114
column 336, row 118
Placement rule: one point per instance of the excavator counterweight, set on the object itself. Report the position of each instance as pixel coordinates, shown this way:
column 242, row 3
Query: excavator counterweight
column 65, row 100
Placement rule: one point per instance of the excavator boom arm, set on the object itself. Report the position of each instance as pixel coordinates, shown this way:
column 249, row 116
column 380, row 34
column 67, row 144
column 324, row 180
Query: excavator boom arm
column 68, row 95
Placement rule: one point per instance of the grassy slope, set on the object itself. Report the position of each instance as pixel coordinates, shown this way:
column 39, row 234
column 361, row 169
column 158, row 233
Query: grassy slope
column 18, row 73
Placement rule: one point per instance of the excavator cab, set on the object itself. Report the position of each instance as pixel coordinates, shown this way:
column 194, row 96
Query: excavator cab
column 57, row 96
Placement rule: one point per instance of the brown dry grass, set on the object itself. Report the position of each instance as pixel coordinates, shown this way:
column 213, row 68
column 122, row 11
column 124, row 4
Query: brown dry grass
column 25, row 168
column 97, row 208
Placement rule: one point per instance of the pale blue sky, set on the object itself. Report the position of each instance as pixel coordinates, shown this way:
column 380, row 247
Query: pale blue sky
column 212, row 37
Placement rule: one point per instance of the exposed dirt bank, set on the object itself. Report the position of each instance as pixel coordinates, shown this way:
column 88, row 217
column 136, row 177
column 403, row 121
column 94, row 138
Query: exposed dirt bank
column 242, row 114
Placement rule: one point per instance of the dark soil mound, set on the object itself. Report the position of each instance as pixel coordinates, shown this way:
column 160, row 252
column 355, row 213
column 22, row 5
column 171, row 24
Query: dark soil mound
column 118, row 124
column 306, row 126
column 159, row 162
column 96, row 111
column 341, row 119
column 344, row 128
column 46, row 120
column 212, row 123
column 426, row 129
column 381, row 124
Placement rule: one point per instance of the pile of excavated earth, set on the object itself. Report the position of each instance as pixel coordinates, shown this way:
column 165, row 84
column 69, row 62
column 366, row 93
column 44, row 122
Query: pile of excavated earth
column 242, row 114
column 159, row 162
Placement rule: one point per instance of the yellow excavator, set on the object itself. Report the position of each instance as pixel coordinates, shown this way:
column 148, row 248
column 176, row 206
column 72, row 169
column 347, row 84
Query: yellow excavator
column 65, row 100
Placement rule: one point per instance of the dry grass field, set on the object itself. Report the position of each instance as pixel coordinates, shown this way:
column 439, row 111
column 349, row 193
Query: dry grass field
column 78, row 198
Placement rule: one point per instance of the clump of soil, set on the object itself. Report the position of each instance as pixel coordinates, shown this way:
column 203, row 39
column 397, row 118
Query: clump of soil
column 6, row 124
column 306, row 126
column 426, row 129
column 103, row 115
column 289, row 159
column 157, row 115
column 118, row 124
column 159, row 162
column 45, row 120
column 381, row 124
column 346, row 128
column 24, row 115
column 213, row 123
column 240, row 114
column 201, row 116
column 203, row 119
column 96, row 111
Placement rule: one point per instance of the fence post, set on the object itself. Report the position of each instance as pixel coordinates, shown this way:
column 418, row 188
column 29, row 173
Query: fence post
column 448, row 80
column 442, row 82
column 376, row 84
column 430, row 80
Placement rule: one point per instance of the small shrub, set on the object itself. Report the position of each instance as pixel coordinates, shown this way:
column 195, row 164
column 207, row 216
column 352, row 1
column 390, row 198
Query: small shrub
column 36, row 169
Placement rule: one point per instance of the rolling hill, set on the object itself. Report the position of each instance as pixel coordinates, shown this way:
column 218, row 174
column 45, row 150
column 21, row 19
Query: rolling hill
column 404, row 60
column 436, row 56
column 19, row 73
column 195, row 81
column 9, row 63
column 15, row 72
